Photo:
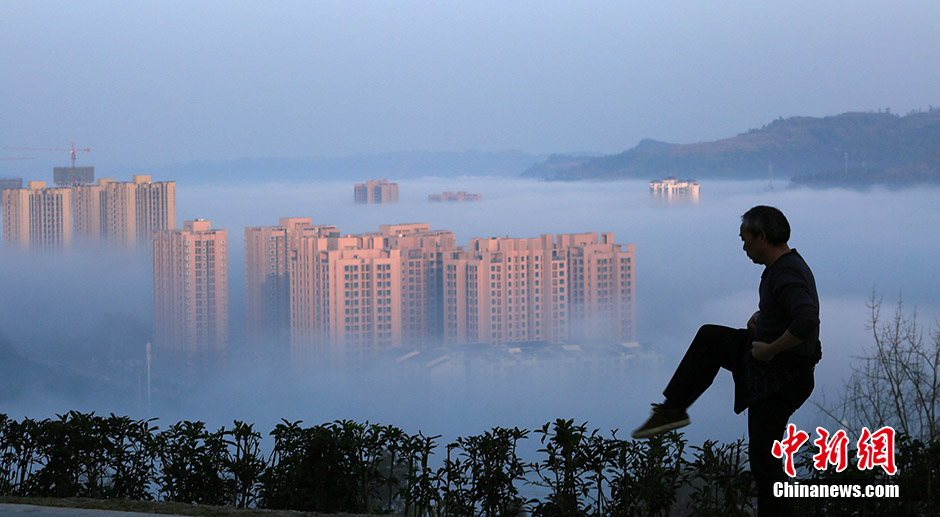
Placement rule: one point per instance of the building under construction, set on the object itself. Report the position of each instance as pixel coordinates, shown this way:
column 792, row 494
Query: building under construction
column 72, row 176
column 6, row 183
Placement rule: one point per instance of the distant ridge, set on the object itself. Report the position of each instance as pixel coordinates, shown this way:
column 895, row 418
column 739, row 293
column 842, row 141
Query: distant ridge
column 882, row 148
column 358, row 167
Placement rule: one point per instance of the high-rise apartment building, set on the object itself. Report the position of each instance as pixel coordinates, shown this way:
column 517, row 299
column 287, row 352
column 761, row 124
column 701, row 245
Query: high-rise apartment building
column 119, row 213
column 155, row 206
column 267, row 262
column 600, row 286
column 501, row 290
column 190, row 286
column 375, row 191
column 355, row 295
column 87, row 210
column 15, row 216
column 134, row 210
column 38, row 217
column 422, row 301
column 345, row 297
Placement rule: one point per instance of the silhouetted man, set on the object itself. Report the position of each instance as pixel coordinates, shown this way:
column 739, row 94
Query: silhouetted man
column 771, row 361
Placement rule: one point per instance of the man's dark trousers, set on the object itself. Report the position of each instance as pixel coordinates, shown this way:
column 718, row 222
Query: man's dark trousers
column 716, row 347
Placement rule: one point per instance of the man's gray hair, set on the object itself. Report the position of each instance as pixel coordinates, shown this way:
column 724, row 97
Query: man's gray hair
column 767, row 221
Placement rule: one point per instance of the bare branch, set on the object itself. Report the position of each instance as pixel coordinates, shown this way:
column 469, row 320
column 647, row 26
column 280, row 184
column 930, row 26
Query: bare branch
column 896, row 381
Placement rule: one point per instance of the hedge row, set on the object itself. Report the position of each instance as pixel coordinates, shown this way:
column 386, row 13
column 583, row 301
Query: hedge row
column 352, row 467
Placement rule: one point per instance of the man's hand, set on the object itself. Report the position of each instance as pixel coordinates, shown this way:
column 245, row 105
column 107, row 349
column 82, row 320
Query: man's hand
column 766, row 351
column 762, row 351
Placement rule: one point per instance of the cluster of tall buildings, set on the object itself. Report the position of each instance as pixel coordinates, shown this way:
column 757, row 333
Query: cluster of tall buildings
column 348, row 297
column 327, row 298
column 332, row 299
column 122, row 213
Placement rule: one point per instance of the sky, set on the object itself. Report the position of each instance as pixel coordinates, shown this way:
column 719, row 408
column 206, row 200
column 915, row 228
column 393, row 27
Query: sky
column 152, row 83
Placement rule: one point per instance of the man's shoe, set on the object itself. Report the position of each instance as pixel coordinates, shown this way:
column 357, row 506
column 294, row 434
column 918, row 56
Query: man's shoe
column 662, row 420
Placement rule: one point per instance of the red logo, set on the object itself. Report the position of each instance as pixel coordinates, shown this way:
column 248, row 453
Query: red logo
column 788, row 447
column 877, row 450
column 832, row 451
column 874, row 449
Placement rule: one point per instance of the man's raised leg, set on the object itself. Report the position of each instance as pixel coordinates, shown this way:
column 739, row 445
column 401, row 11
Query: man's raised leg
column 714, row 347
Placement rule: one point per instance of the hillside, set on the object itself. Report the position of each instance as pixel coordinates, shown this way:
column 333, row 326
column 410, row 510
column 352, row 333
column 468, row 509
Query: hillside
column 21, row 377
column 881, row 148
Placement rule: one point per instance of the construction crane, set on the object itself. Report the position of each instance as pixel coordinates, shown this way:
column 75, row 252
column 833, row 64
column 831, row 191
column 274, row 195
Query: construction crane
column 72, row 150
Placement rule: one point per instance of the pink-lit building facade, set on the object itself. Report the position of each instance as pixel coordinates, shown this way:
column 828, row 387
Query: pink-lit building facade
column 421, row 264
column 120, row 213
column 87, row 210
column 345, row 296
column 352, row 296
column 155, row 208
column 495, row 292
column 132, row 211
column 601, row 287
column 190, row 291
column 554, row 289
column 37, row 217
column 267, row 278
